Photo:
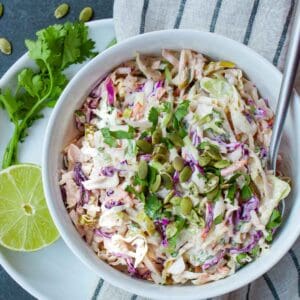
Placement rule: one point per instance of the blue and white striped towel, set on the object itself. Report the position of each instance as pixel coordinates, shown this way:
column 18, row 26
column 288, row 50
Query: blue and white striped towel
column 263, row 25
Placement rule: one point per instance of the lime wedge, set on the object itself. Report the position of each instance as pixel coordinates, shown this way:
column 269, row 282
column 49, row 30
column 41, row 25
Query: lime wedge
column 25, row 222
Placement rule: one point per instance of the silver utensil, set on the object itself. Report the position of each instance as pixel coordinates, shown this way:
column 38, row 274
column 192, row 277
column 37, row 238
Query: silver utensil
column 286, row 93
column 286, row 89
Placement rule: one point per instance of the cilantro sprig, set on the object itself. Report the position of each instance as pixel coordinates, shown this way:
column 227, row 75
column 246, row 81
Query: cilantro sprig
column 56, row 48
column 111, row 137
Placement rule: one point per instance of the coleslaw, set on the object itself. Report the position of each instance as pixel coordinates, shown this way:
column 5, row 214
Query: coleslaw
column 168, row 180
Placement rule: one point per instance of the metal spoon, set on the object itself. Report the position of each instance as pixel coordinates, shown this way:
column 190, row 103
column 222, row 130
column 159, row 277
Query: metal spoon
column 286, row 89
column 285, row 95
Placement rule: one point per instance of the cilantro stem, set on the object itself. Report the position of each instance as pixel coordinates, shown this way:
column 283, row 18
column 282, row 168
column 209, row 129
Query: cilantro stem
column 11, row 152
column 11, row 149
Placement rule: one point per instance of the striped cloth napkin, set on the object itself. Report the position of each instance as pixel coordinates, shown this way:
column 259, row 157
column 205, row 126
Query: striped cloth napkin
column 263, row 25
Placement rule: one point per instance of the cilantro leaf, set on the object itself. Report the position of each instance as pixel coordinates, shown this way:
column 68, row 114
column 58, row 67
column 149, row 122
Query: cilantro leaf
column 110, row 137
column 246, row 192
column 231, row 192
column 153, row 116
column 218, row 219
column 120, row 134
column 182, row 110
column 172, row 242
column 153, row 207
column 131, row 190
column 275, row 220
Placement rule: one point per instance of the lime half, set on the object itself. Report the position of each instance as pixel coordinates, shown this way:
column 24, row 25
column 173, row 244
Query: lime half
column 25, row 222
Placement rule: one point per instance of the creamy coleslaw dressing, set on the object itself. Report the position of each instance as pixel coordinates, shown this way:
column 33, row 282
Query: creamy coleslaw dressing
column 212, row 117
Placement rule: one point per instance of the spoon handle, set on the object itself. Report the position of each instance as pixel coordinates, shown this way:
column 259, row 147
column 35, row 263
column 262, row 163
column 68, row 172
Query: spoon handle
column 286, row 89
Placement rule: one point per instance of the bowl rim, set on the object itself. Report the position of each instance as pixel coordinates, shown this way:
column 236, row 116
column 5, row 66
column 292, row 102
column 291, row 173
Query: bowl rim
column 128, row 283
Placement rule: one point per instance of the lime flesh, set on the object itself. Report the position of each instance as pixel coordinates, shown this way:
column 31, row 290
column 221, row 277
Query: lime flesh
column 25, row 222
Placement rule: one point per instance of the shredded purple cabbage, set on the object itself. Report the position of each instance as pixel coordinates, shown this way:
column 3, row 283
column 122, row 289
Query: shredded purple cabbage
column 102, row 233
column 250, row 101
column 110, row 204
column 158, row 84
column 260, row 113
column 251, row 204
column 92, row 102
column 79, row 177
column 249, row 117
column 161, row 226
column 110, row 92
column 194, row 164
column 134, row 272
column 209, row 216
column 230, row 147
column 146, row 157
column 263, row 153
column 196, row 140
column 130, row 266
column 176, row 177
column 213, row 261
column 84, row 194
column 236, row 216
column 96, row 91
column 108, row 171
column 78, row 174
column 109, row 192
column 63, row 192
column 255, row 237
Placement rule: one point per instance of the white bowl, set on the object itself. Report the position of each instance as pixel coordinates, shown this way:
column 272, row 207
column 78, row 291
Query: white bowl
column 61, row 130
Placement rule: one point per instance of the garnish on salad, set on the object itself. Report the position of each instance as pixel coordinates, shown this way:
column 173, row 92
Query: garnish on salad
column 168, row 179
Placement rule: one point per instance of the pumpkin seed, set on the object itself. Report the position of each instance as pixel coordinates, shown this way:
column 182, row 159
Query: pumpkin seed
column 144, row 146
column 204, row 160
column 175, row 200
column 221, row 164
column 86, row 14
column 178, row 163
column 61, row 11
column 193, row 189
column 156, row 136
column 171, row 230
column 167, row 180
column 160, row 149
column 213, row 194
column 168, row 197
column 211, row 183
column 1, row 9
column 142, row 169
column 185, row 174
column 175, row 139
column 162, row 158
column 214, row 153
column 5, row 46
column 156, row 184
column 169, row 169
column 186, row 206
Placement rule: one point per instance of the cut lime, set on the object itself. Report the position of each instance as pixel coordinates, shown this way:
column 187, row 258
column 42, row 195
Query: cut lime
column 25, row 222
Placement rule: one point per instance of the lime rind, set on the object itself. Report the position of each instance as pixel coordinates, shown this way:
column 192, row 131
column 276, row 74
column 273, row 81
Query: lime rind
column 25, row 222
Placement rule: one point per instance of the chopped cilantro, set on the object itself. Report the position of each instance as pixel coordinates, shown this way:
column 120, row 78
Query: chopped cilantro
column 153, row 207
column 246, row 192
column 182, row 110
column 275, row 220
column 153, row 117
